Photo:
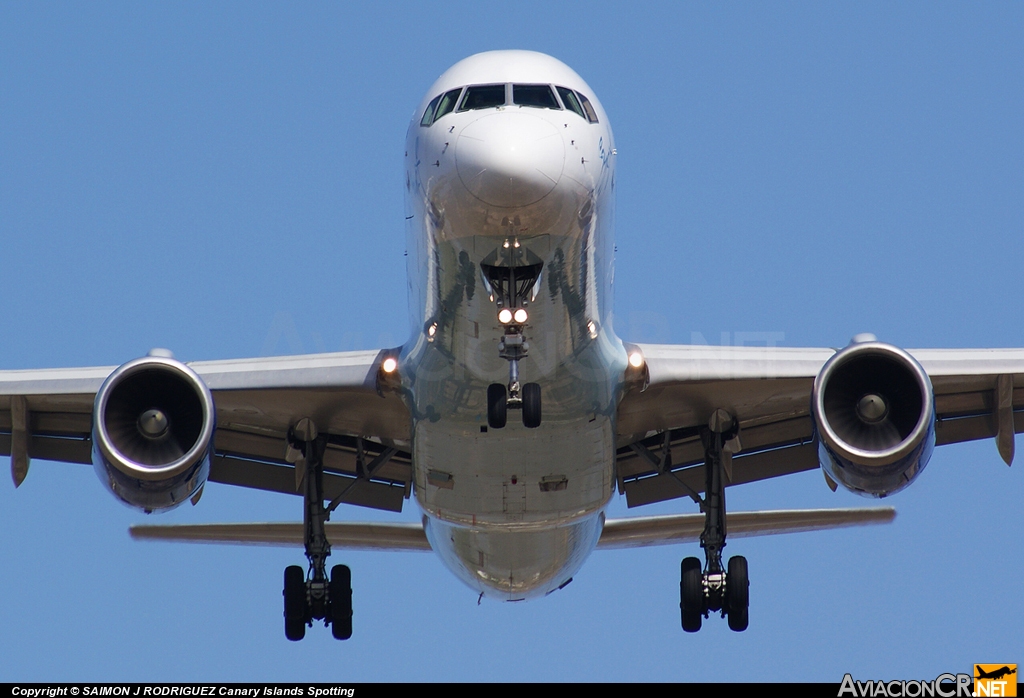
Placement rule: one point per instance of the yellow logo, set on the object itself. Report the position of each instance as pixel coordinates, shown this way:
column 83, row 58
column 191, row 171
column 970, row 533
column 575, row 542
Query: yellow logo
column 995, row 680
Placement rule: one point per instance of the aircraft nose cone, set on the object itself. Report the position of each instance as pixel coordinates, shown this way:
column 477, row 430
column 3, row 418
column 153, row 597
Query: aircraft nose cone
column 510, row 159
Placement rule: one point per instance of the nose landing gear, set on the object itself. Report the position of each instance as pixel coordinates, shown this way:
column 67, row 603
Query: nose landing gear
column 510, row 286
column 525, row 397
column 716, row 589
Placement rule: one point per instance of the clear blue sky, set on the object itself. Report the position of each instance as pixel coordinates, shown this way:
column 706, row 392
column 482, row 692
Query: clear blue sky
column 226, row 181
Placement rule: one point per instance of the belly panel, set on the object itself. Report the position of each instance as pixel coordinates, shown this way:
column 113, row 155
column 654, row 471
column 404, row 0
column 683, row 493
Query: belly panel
column 514, row 478
column 515, row 565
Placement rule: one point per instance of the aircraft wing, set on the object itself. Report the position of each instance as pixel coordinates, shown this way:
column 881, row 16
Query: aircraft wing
column 47, row 414
column 977, row 395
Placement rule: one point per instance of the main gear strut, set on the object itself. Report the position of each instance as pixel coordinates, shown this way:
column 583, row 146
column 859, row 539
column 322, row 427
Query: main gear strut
column 717, row 588
column 313, row 596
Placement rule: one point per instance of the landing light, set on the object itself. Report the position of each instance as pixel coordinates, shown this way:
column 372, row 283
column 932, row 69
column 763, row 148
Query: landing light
column 636, row 359
column 520, row 315
column 504, row 316
column 389, row 365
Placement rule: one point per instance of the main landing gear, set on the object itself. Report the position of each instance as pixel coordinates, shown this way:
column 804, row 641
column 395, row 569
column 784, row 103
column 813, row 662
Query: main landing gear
column 715, row 588
column 310, row 596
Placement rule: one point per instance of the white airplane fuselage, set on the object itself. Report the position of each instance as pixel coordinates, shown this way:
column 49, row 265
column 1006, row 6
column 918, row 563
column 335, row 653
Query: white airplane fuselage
column 513, row 512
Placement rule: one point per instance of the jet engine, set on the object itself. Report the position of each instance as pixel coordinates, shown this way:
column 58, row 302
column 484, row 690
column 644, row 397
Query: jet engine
column 153, row 424
column 874, row 416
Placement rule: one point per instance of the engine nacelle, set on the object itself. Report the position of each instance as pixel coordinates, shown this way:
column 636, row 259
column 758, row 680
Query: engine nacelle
column 874, row 415
column 152, row 434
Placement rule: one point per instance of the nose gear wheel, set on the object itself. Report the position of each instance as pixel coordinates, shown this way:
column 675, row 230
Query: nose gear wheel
column 531, row 405
column 497, row 406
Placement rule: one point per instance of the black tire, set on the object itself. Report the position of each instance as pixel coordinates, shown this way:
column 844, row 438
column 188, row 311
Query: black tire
column 341, row 602
column 737, row 591
column 294, row 630
column 294, row 603
column 497, row 406
column 691, row 594
column 531, row 405
column 738, row 620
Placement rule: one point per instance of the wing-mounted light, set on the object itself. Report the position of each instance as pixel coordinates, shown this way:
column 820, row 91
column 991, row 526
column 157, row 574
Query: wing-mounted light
column 389, row 378
column 153, row 427
column 874, row 415
column 637, row 376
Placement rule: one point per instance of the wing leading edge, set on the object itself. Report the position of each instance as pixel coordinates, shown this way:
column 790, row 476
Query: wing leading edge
column 47, row 414
column 978, row 393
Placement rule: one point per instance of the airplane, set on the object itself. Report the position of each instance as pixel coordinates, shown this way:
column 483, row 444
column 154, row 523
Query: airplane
column 513, row 414
column 995, row 673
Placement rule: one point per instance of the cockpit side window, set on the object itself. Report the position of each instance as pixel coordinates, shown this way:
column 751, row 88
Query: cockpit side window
column 570, row 101
column 534, row 96
column 448, row 102
column 588, row 108
column 483, row 97
column 428, row 115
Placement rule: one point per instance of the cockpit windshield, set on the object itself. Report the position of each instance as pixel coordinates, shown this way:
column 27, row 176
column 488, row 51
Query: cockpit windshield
column 588, row 108
column 490, row 96
column 440, row 105
column 448, row 102
column 534, row 96
column 483, row 97
column 570, row 101
column 574, row 101
column 428, row 115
